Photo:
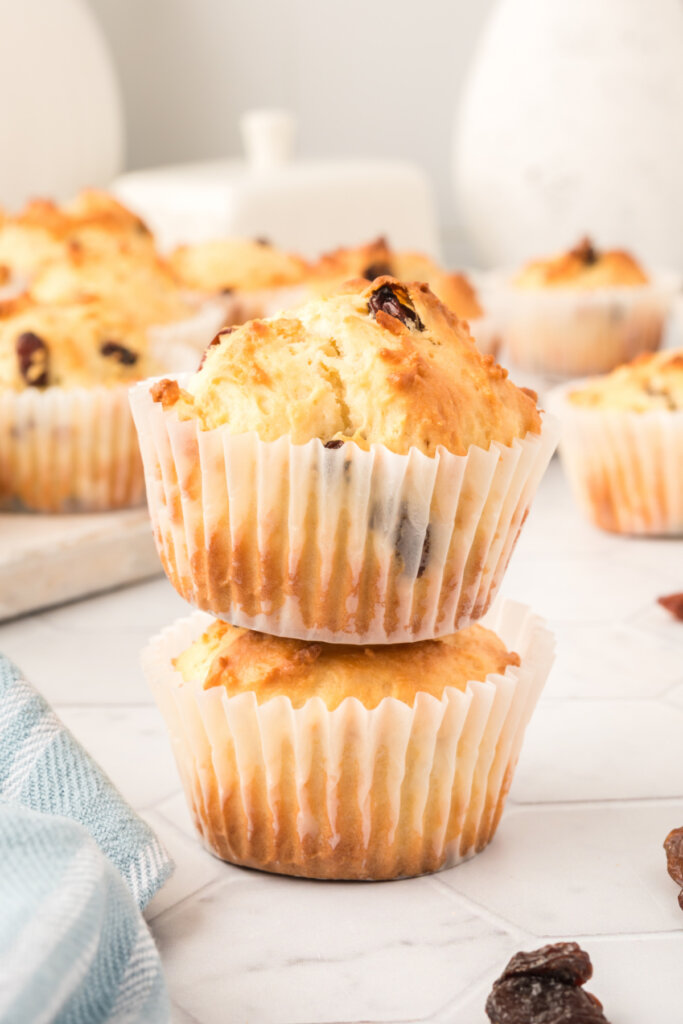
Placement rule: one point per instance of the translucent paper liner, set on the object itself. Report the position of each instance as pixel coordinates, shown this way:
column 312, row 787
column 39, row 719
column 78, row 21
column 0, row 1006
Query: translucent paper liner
column 625, row 468
column 350, row 793
column 339, row 545
column 180, row 345
column 69, row 450
column 486, row 332
column 571, row 333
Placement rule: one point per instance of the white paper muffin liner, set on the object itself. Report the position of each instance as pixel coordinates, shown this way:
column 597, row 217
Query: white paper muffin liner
column 242, row 306
column 350, row 793
column 569, row 332
column 180, row 345
column 337, row 545
column 486, row 332
column 69, row 450
column 625, row 468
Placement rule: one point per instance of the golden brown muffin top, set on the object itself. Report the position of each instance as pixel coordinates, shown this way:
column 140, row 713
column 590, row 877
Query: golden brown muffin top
column 241, row 660
column 651, row 381
column 584, row 266
column 45, row 231
column 383, row 363
column 377, row 259
column 236, row 264
column 140, row 284
column 69, row 346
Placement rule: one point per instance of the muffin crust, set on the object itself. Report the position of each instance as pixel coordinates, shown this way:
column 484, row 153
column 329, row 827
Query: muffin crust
column 652, row 381
column 584, row 266
column 236, row 264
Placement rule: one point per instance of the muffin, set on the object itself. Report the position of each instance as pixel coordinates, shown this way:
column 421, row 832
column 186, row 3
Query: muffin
column 254, row 276
column 377, row 258
column 581, row 312
column 622, row 444
column 355, row 471
column 67, row 442
column 333, row 761
column 45, row 232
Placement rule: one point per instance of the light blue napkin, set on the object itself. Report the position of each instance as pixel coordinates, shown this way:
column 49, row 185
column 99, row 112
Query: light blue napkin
column 76, row 867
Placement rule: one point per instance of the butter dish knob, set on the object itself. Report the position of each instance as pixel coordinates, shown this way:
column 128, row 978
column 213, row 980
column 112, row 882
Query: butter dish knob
column 267, row 137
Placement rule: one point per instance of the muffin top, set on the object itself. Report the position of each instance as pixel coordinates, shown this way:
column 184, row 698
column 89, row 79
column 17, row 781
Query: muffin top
column 69, row 346
column 45, row 231
column 138, row 283
column 236, row 264
column 269, row 666
column 377, row 258
column 652, row 381
column 383, row 363
column 584, row 266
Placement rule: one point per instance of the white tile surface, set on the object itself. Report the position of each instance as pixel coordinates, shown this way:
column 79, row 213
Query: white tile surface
column 578, row 854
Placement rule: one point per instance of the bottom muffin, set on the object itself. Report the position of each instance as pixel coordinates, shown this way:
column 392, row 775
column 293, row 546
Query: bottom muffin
column 348, row 762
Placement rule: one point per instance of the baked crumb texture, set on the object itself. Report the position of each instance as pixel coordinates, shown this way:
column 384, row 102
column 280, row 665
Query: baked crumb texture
column 355, row 473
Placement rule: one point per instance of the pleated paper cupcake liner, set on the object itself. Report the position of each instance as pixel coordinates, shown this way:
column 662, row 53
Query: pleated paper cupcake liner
column 358, row 793
column 180, row 345
column 338, row 545
column 486, row 332
column 569, row 332
column 69, row 450
column 625, row 468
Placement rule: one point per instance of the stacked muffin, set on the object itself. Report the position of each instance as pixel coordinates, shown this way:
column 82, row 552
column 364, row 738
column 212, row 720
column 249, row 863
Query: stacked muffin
column 342, row 486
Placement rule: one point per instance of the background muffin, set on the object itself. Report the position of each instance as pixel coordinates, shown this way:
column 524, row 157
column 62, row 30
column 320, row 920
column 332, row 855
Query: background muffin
column 353, row 471
column 583, row 311
column 371, row 762
column 622, row 445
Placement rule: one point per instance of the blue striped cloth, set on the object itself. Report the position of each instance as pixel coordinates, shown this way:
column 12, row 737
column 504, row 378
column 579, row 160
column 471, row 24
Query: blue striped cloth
column 77, row 865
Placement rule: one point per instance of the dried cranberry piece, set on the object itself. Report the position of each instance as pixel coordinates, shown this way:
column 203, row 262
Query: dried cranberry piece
column 33, row 358
column 333, row 444
column 379, row 269
column 544, row 987
column 393, row 300
column 122, row 355
column 673, row 845
column 674, row 604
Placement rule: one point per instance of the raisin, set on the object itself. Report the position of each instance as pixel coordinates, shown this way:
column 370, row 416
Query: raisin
column 33, row 357
column 379, row 269
column 531, row 1000
column 262, row 240
column 586, row 252
column 674, row 604
column 333, row 444
column 544, row 987
column 673, row 844
column 227, row 290
column 212, row 343
column 115, row 350
column 406, row 541
column 393, row 300
column 565, row 961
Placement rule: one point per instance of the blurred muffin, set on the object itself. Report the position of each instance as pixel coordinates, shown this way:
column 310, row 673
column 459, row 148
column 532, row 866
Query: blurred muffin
column 622, row 445
column 583, row 311
column 67, row 442
column 139, row 284
column 44, row 232
column 353, row 471
column 372, row 762
column 255, row 277
column 377, row 258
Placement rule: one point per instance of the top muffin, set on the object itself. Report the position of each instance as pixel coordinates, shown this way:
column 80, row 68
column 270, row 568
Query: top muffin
column 241, row 660
column 45, row 231
column 652, row 381
column 236, row 264
column 381, row 363
column 584, row 266
column 377, row 258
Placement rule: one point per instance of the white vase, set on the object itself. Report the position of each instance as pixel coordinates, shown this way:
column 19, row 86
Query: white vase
column 62, row 126
column 572, row 122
